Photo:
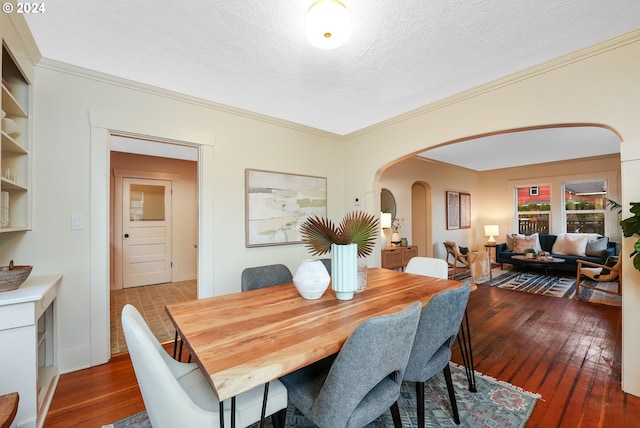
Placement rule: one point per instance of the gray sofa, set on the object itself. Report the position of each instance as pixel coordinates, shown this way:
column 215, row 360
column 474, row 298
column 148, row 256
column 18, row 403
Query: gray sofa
column 503, row 255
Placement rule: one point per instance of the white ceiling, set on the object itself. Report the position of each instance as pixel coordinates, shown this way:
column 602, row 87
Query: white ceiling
column 253, row 55
column 527, row 148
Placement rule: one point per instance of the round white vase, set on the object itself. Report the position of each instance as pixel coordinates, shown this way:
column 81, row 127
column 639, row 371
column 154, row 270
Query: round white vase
column 311, row 279
column 395, row 238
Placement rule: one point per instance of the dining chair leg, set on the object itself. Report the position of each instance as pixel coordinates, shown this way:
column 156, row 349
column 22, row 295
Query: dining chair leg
column 278, row 419
column 395, row 414
column 420, row 403
column 175, row 345
column 265, row 397
column 466, row 351
column 452, row 394
column 233, row 412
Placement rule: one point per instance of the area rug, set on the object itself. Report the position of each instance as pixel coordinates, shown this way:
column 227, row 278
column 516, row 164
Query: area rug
column 496, row 404
column 558, row 284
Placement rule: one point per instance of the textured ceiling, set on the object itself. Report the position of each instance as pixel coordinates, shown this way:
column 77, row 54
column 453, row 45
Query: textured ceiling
column 253, row 55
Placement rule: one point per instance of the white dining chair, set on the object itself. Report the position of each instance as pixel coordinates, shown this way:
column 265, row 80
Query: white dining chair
column 177, row 394
column 428, row 266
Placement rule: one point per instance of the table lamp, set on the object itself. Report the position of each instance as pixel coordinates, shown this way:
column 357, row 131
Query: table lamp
column 385, row 223
column 491, row 230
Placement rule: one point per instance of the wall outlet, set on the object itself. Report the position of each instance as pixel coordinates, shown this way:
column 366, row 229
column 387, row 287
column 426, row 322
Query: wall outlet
column 356, row 202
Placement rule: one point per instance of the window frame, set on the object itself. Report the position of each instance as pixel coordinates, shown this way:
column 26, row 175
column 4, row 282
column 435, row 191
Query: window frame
column 566, row 212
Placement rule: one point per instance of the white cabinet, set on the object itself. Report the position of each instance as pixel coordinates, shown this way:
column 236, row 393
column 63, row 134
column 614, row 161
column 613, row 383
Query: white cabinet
column 28, row 323
column 15, row 163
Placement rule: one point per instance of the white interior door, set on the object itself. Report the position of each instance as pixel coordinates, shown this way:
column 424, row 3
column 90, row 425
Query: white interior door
column 146, row 232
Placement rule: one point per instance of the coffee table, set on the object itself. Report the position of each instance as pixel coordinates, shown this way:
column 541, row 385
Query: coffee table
column 547, row 263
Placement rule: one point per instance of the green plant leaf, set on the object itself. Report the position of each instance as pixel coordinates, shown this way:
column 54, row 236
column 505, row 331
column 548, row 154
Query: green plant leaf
column 636, row 255
column 631, row 225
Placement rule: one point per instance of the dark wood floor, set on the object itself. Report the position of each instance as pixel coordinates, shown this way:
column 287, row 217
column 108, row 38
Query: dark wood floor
column 565, row 350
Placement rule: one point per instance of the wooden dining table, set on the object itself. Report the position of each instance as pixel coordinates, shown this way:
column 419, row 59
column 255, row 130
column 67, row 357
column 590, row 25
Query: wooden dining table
column 246, row 339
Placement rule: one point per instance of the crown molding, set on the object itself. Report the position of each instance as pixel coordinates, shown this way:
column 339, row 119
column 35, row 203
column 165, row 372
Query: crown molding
column 542, row 68
column 166, row 93
column 581, row 55
column 24, row 33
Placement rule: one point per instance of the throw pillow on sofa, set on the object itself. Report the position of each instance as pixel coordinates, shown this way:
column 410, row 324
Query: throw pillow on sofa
column 575, row 246
column 511, row 241
column 521, row 243
column 597, row 247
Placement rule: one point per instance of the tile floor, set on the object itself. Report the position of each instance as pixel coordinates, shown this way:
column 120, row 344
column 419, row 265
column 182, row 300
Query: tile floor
column 150, row 301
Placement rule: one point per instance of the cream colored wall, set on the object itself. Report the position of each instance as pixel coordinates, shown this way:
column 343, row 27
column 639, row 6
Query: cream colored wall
column 185, row 207
column 495, row 201
column 62, row 183
column 492, row 193
column 600, row 85
column 400, row 177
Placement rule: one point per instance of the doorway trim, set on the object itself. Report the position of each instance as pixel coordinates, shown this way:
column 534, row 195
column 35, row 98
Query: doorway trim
column 102, row 126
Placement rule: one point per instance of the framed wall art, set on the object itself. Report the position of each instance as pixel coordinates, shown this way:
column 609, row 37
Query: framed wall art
column 277, row 203
column 453, row 210
column 458, row 210
column 465, row 210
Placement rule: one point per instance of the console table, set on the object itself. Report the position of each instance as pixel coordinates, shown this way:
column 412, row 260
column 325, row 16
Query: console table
column 398, row 257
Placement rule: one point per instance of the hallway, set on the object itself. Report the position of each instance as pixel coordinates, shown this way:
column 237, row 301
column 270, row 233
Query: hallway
column 150, row 300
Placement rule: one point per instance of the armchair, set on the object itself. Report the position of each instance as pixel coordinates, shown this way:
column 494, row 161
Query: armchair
column 457, row 261
column 477, row 263
column 600, row 273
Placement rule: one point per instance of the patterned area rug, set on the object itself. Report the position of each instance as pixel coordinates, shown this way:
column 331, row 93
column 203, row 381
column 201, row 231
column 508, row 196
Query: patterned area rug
column 496, row 404
column 558, row 284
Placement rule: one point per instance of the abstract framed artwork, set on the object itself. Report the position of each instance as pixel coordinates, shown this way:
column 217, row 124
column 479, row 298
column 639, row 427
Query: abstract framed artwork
column 453, row 210
column 458, row 210
column 465, row 210
column 277, row 203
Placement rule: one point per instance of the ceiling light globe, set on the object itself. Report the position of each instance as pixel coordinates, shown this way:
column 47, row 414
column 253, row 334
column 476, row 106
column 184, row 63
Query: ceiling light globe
column 328, row 24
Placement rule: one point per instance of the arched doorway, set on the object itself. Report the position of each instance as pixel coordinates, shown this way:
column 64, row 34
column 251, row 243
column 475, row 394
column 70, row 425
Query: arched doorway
column 421, row 218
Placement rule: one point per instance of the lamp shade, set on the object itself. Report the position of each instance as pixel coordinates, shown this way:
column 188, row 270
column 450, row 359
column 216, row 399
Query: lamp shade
column 385, row 220
column 328, row 24
column 491, row 230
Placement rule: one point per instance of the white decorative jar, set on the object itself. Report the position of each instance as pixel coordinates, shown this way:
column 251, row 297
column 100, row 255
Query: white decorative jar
column 395, row 238
column 344, row 270
column 311, row 279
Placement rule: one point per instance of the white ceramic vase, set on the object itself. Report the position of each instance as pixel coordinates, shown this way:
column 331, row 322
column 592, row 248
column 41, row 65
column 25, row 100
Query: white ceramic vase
column 311, row 279
column 395, row 238
column 344, row 270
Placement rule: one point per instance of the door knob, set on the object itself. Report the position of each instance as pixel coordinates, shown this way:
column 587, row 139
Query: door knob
column 126, row 235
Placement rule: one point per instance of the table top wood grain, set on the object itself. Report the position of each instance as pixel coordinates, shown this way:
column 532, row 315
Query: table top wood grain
column 243, row 340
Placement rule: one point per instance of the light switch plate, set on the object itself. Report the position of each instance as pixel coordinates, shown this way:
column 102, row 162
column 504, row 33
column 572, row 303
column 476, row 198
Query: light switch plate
column 77, row 222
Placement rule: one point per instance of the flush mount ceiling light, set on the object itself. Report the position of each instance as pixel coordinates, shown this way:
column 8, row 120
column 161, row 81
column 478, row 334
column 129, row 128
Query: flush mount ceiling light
column 328, row 24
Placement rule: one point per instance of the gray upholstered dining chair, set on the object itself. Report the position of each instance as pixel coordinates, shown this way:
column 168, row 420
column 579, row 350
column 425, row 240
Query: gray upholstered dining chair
column 265, row 276
column 431, row 352
column 177, row 394
column 362, row 381
column 427, row 266
column 327, row 264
